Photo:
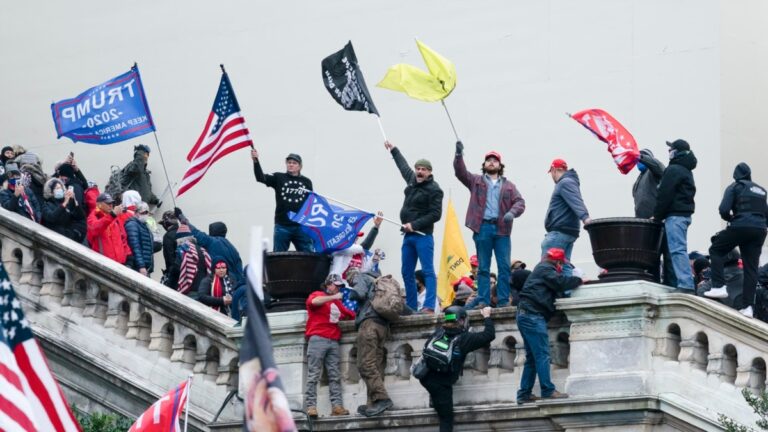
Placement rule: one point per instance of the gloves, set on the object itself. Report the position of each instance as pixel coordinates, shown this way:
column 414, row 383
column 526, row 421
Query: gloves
column 508, row 217
column 180, row 216
column 459, row 148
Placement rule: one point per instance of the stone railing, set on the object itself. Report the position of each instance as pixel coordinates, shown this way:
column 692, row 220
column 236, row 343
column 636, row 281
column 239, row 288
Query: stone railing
column 116, row 340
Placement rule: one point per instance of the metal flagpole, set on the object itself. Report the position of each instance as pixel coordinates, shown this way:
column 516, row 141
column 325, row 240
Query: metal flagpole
column 381, row 128
column 442, row 101
column 186, row 405
column 168, row 179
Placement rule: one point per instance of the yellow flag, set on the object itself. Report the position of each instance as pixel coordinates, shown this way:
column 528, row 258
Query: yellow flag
column 454, row 260
column 418, row 84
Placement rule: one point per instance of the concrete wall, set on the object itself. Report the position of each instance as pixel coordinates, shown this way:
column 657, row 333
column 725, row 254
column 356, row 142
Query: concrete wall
column 655, row 65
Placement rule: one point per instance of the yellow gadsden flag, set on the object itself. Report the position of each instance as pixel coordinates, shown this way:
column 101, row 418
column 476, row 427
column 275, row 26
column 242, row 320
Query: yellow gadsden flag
column 454, row 260
column 430, row 87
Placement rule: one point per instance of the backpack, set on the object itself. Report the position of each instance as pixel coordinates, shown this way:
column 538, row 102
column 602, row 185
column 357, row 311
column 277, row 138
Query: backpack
column 387, row 301
column 118, row 182
column 441, row 353
column 761, row 303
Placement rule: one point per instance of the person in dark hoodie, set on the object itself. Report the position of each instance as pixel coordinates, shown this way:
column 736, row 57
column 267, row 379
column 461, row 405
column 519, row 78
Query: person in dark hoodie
column 674, row 207
column 291, row 189
column 14, row 196
column 170, row 224
column 422, row 208
column 646, row 187
column 565, row 214
column 216, row 243
column 6, row 154
column 138, row 178
column 62, row 212
column 745, row 208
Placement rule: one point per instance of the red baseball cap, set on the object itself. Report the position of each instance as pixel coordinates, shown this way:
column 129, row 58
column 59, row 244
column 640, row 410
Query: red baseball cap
column 558, row 163
column 556, row 254
column 493, row 153
column 473, row 260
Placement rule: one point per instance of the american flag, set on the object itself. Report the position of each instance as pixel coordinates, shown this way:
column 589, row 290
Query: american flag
column 224, row 133
column 30, row 397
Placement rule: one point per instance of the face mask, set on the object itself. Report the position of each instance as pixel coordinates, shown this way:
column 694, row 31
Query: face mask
column 672, row 153
column 12, row 184
column 641, row 167
column 58, row 193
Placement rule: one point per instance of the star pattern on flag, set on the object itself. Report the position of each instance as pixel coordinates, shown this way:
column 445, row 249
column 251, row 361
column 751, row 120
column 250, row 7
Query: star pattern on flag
column 224, row 105
column 15, row 326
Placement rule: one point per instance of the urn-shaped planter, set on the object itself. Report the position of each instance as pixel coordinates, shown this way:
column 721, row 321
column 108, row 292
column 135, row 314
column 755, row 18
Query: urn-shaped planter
column 292, row 276
column 627, row 248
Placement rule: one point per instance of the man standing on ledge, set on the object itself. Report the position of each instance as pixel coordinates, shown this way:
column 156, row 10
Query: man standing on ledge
column 423, row 206
column 291, row 189
column 566, row 211
column 494, row 203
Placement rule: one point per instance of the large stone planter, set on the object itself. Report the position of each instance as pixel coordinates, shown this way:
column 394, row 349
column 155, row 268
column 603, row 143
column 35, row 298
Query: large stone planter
column 627, row 248
column 292, row 276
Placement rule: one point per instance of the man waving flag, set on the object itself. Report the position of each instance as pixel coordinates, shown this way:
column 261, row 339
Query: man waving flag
column 224, row 133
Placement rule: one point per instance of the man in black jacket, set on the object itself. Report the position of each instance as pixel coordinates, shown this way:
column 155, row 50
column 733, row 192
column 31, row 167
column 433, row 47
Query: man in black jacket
column 423, row 206
column 646, row 187
column 537, row 305
column 440, row 384
column 744, row 207
column 674, row 207
column 291, row 189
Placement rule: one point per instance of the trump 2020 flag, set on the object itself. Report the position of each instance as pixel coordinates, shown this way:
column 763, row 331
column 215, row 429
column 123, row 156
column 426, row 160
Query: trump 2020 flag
column 224, row 132
column 621, row 143
column 331, row 228
column 30, row 398
column 344, row 81
column 111, row 112
column 163, row 415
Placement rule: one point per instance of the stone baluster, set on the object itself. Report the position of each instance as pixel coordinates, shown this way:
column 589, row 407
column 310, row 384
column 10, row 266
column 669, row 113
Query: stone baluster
column 161, row 336
column 184, row 347
column 715, row 363
column 91, row 301
column 117, row 313
column 31, row 276
column 201, row 356
column 12, row 258
column 52, row 285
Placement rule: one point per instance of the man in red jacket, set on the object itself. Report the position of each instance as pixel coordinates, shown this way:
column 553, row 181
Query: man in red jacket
column 106, row 234
column 324, row 311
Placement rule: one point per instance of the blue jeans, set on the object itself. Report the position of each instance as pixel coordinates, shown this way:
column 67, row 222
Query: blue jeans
column 556, row 239
column 422, row 248
column 676, row 229
column 487, row 243
column 287, row 234
column 533, row 328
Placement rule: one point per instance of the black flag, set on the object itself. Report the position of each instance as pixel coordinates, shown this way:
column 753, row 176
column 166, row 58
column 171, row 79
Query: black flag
column 344, row 81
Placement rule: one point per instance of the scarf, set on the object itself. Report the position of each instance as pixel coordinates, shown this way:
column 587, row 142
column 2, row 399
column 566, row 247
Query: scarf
column 217, row 290
column 188, row 270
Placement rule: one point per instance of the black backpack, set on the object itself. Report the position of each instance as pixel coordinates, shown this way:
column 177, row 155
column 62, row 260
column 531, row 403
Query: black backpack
column 441, row 353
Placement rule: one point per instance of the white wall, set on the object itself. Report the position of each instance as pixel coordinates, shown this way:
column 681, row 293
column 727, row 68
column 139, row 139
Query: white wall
column 655, row 65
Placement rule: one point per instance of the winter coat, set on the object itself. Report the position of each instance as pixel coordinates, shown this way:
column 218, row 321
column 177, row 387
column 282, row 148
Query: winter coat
column 566, row 208
column 204, row 291
column 363, row 290
column 169, row 256
column 68, row 221
column 510, row 199
column 107, row 236
column 289, row 189
column 37, row 178
column 744, row 202
column 138, row 178
column 543, row 286
column 10, row 202
column 677, row 188
column 140, row 242
column 423, row 205
column 646, row 187
column 220, row 247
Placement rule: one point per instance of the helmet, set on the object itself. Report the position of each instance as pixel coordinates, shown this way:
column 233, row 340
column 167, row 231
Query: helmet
column 454, row 313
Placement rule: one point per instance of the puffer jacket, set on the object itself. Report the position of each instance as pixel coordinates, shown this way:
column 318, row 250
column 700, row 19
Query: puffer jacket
column 677, row 188
column 423, row 205
column 140, row 241
column 543, row 286
column 646, row 187
column 566, row 208
column 107, row 236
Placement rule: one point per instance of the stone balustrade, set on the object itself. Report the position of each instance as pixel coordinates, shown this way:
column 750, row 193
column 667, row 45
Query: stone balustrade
column 116, row 339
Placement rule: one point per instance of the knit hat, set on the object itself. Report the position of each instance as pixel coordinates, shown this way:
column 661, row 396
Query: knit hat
column 423, row 163
column 11, row 167
column 5, row 149
column 66, row 170
column 183, row 231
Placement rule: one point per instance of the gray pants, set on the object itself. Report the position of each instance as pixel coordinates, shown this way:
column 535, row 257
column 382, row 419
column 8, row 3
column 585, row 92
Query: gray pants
column 323, row 352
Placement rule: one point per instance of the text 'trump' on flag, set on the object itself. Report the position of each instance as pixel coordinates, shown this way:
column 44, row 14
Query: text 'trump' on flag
column 224, row 133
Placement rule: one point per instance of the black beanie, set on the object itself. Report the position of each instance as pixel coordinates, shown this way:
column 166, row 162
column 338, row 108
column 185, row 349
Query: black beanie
column 217, row 229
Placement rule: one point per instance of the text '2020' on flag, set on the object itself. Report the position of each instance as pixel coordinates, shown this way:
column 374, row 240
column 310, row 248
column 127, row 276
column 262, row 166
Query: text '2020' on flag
column 224, row 133
column 111, row 112
column 331, row 228
column 163, row 415
column 621, row 143
column 454, row 260
column 30, row 398
column 344, row 81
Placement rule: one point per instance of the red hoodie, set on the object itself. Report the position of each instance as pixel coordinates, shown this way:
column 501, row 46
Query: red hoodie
column 323, row 320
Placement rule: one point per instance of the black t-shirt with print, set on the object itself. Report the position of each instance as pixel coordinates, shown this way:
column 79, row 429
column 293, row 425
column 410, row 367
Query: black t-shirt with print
column 290, row 192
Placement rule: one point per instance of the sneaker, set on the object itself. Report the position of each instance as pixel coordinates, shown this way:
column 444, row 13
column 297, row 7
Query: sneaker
column 717, row 293
column 530, row 399
column 556, row 395
column 378, row 407
column 339, row 410
column 747, row 312
column 312, row 412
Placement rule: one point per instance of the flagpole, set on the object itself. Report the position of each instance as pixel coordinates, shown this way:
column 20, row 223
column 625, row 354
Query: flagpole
column 186, row 405
column 159, row 150
column 381, row 128
column 442, row 101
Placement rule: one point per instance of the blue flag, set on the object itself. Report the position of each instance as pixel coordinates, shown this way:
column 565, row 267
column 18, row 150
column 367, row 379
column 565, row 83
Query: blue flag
column 108, row 113
column 331, row 228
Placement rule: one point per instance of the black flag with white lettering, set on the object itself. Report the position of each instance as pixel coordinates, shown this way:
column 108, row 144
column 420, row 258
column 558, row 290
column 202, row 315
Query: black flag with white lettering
column 344, row 81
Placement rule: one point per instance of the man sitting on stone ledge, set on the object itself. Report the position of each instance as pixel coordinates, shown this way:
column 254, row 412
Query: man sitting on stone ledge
column 537, row 306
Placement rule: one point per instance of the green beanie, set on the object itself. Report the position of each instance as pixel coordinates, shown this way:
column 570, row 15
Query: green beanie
column 423, row 163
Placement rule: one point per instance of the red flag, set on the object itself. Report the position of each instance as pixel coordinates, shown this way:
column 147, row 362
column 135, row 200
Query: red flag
column 163, row 415
column 30, row 397
column 621, row 143
column 224, row 133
